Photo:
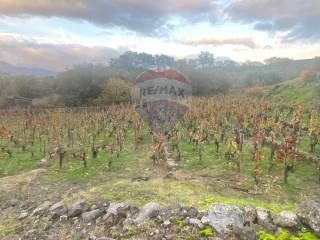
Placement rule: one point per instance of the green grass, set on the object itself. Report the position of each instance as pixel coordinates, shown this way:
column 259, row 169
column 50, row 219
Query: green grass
column 74, row 171
column 166, row 192
column 8, row 225
column 19, row 162
column 294, row 91
column 116, row 185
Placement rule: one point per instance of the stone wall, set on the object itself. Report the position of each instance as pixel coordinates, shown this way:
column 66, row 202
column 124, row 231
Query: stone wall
column 103, row 220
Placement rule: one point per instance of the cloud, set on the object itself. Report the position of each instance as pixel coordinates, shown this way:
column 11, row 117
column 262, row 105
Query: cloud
column 298, row 19
column 142, row 16
column 247, row 42
column 28, row 52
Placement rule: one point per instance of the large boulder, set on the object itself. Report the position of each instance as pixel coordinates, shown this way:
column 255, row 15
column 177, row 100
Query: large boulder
column 246, row 233
column 91, row 216
column 309, row 214
column 249, row 215
column 76, row 208
column 115, row 207
column 264, row 218
column 286, row 219
column 224, row 218
column 176, row 212
column 40, row 210
column 263, row 215
column 115, row 213
column 57, row 210
column 173, row 212
column 149, row 210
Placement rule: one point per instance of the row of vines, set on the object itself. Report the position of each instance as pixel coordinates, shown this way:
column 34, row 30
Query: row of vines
column 231, row 125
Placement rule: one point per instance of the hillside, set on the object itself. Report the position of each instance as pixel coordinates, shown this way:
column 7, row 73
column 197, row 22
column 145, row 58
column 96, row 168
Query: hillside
column 295, row 91
column 108, row 156
column 20, row 70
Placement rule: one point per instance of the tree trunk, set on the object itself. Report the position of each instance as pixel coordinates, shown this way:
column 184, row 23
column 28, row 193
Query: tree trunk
column 238, row 165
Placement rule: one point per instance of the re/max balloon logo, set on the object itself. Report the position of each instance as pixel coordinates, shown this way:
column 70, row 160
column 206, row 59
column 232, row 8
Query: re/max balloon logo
column 162, row 90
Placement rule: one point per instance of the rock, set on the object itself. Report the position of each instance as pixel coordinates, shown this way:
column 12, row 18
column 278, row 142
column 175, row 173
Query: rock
column 93, row 207
column 109, row 219
column 249, row 215
column 75, row 220
column 224, row 219
column 309, row 214
column 263, row 215
column 43, row 162
column 115, row 207
column 205, row 220
column 88, row 217
column 195, row 222
column 190, row 212
column 115, row 213
column 99, row 220
column 23, row 215
column 105, row 204
column 42, row 208
column 58, row 210
column 128, row 222
column 286, row 219
column 166, row 223
column 133, row 212
column 76, row 209
column 174, row 212
column 149, row 210
column 246, row 233
column 264, row 219
column 63, row 218
column 186, row 229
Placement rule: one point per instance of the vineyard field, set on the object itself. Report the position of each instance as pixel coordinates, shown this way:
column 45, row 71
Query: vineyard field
column 222, row 152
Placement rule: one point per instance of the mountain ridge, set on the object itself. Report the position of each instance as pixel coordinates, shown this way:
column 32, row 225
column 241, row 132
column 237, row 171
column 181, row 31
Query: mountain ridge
column 18, row 70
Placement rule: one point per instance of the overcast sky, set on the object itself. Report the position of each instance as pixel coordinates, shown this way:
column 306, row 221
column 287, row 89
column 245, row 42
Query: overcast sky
column 60, row 33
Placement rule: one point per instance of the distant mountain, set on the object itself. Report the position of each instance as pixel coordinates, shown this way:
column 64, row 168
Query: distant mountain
column 222, row 59
column 17, row 70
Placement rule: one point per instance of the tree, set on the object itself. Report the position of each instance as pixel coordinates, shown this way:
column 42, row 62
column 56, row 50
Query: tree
column 115, row 92
column 164, row 61
column 132, row 60
column 128, row 60
column 308, row 75
column 206, row 59
column 145, row 60
column 81, row 84
column 277, row 60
